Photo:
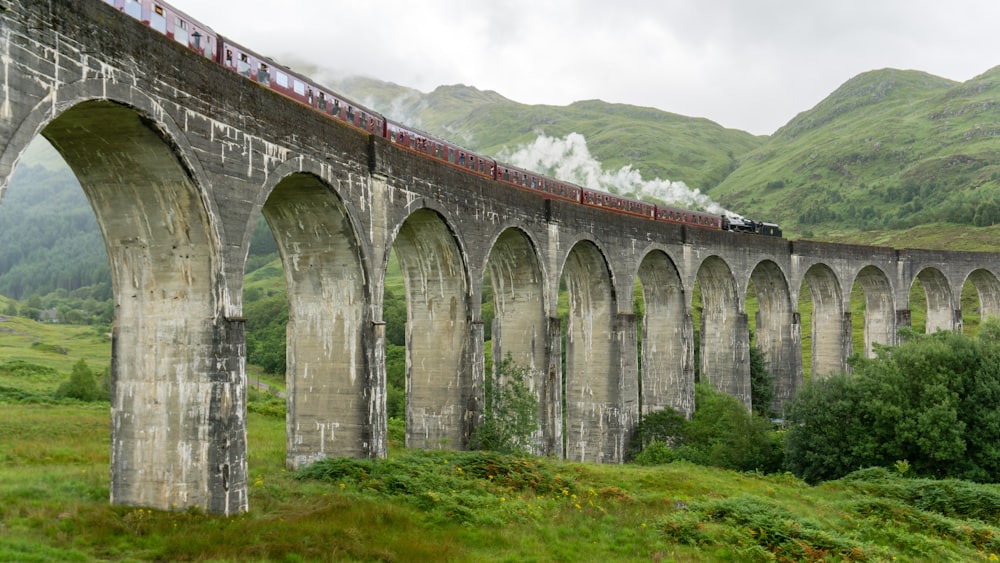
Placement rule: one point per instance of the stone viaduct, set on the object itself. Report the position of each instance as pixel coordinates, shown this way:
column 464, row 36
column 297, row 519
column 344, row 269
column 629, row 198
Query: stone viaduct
column 179, row 158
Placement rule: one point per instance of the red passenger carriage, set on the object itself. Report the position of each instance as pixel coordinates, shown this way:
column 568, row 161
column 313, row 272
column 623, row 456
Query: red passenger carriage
column 199, row 38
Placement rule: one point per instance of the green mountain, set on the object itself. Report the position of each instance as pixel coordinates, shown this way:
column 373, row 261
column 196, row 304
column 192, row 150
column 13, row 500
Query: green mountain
column 888, row 150
column 658, row 144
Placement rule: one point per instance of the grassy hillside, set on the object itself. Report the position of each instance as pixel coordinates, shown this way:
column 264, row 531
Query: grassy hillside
column 888, row 150
column 660, row 144
column 470, row 506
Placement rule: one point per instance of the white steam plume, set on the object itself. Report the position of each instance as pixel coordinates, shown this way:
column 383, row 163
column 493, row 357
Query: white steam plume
column 569, row 159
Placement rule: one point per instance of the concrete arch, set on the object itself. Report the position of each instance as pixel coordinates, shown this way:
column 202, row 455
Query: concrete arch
column 334, row 178
column 595, row 418
column 940, row 301
column 830, row 331
column 520, row 327
column 667, row 351
column 724, row 335
column 880, row 309
column 778, row 331
column 178, row 432
column 329, row 392
column 988, row 288
column 442, row 402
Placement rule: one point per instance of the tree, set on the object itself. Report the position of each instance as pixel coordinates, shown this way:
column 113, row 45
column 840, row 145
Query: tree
column 931, row 401
column 761, row 383
column 81, row 385
column 511, row 415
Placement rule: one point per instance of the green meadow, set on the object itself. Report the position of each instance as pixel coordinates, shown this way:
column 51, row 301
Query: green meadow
column 442, row 506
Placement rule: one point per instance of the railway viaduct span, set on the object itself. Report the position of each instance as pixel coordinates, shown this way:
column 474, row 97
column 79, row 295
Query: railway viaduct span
column 179, row 158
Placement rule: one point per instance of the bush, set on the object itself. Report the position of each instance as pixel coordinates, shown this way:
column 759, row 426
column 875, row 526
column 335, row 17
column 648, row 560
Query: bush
column 721, row 434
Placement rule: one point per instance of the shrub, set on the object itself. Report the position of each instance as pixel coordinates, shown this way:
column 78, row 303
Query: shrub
column 81, row 385
column 721, row 434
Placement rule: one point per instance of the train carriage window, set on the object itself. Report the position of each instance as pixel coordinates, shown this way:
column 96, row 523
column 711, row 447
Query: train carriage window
column 263, row 75
column 243, row 67
column 299, row 88
column 451, row 155
column 322, row 102
column 157, row 20
column 336, row 107
column 134, row 8
column 204, row 43
column 350, row 114
column 282, row 79
column 461, row 158
column 180, row 31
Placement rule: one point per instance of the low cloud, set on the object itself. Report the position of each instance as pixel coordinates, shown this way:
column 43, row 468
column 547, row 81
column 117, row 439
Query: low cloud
column 569, row 159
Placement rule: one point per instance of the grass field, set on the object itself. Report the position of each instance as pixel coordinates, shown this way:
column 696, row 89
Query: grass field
column 454, row 506
column 444, row 506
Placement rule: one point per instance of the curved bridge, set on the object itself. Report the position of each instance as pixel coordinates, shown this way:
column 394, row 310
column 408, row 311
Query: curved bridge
column 179, row 159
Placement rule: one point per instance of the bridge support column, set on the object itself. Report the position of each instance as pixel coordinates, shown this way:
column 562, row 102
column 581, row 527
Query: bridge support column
column 959, row 322
column 625, row 415
column 375, row 393
column 178, row 427
column 847, row 341
column 474, row 391
column 550, row 396
column 903, row 319
column 781, row 345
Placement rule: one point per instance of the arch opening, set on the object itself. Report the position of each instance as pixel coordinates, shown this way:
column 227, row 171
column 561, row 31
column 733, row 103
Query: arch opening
column 441, row 397
column 776, row 333
column 873, row 311
column 980, row 300
column 594, row 426
column 666, row 348
column 516, row 328
column 329, row 392
column 724, row 348
column 824, row 345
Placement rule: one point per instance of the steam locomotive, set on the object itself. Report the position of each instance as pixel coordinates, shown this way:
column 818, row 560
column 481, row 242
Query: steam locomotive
column 200, row 38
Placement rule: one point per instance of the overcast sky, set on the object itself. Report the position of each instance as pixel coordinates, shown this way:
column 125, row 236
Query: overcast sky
column 746, row 64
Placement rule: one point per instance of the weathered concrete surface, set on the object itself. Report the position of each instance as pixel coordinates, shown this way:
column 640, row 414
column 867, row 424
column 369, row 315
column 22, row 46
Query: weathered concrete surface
column 180, row 158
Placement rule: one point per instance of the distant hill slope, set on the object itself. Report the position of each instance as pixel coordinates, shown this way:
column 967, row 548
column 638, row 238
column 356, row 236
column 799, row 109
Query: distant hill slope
column 659, row 144
column 888, row 150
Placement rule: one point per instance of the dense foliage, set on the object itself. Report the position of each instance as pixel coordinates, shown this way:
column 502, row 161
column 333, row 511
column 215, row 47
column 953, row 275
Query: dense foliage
column 49, row 238
column 721, row 433
column 510, row 418
column 929, row 403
